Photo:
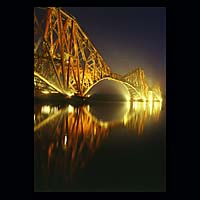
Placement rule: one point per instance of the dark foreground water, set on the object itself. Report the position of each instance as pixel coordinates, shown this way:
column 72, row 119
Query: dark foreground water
column 101, row 147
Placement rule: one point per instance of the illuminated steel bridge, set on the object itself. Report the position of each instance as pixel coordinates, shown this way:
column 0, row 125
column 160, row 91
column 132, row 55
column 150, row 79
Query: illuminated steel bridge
column 66, row 61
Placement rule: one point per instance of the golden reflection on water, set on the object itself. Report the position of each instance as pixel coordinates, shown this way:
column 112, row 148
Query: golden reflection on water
column 138, row 114
column 69, row 136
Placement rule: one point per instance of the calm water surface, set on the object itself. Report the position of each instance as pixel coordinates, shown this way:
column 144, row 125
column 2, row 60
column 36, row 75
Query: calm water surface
column 113, row 146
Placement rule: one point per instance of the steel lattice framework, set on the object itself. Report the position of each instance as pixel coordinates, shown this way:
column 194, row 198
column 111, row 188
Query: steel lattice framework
column 66, row 61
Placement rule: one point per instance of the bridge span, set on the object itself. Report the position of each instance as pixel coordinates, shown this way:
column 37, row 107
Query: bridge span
column 67, row 62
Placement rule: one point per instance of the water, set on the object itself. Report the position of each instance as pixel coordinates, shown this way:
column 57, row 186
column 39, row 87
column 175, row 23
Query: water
column 113, row 146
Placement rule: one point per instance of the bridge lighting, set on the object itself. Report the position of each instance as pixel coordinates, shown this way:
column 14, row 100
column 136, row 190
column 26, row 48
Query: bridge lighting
column 70, row 109
column 128, row 105
column 65, row 141
column 127, row 97
column 157, row 106
column 160, row 105
column 45, row 92
column 135, row 105
column 125, row 120
column 144, row 98
column 54, row 109
column 150, row 107
column 70, row 94
column 105, row 125
column 45, row 109
column 54, row 92
column 150, row 96
column 144, row 105
column 137, row 98
column 150, row 102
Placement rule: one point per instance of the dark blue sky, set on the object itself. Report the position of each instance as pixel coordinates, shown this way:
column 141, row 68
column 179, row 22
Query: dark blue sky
column 127, row 37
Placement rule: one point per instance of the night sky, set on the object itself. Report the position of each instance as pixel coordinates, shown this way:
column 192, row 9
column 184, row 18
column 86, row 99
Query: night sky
column 127, row 37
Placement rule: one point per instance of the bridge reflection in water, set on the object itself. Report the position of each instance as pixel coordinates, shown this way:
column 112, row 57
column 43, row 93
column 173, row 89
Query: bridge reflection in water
column 66, row 138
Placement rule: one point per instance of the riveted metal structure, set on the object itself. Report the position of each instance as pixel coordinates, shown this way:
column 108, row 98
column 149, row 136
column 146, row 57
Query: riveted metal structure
column 66, row 61
column 64, row 57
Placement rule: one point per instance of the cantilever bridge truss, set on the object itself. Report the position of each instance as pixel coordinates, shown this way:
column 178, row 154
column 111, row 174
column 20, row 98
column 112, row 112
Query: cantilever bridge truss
column 66, row 61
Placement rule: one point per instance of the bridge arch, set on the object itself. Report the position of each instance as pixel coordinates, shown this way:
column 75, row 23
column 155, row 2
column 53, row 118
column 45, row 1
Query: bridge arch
column 125, row 84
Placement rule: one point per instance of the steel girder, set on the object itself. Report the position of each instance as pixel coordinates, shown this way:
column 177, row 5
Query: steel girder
column 64, row 55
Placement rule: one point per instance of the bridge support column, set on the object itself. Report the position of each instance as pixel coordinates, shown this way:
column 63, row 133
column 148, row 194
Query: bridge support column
column 133, row 94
